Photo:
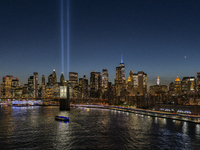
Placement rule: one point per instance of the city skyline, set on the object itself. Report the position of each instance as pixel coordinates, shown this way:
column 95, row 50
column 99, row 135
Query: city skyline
column 160, row 38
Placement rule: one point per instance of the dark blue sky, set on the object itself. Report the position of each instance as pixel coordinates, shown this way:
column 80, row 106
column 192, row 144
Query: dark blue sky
column 154, row 36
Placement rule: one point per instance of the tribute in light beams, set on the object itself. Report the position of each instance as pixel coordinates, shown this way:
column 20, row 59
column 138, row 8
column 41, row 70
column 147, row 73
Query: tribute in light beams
column 62, row 35
column 68, row 36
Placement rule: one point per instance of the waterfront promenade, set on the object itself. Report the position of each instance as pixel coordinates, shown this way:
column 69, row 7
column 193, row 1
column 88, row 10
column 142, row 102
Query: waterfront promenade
column 161, row 114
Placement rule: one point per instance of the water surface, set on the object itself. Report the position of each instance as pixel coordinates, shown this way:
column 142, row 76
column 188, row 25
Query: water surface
column 34, row 127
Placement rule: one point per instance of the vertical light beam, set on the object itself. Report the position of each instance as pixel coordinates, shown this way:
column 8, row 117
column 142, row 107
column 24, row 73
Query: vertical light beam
column 121, row 58
column 62, row 34
column 68, row 19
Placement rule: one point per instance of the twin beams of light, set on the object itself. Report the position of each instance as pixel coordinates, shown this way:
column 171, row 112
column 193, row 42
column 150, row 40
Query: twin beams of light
column 62, row 35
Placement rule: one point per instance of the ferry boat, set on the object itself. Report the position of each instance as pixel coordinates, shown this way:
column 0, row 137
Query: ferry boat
column 61, row 118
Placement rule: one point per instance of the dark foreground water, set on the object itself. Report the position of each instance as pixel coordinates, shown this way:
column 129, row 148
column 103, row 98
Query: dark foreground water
column 35, row 128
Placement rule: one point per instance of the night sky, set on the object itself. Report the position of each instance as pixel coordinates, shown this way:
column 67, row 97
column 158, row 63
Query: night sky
column 159, row 37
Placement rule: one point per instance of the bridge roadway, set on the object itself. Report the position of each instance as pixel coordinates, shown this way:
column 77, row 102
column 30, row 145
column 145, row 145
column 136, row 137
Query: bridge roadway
column 168, row 115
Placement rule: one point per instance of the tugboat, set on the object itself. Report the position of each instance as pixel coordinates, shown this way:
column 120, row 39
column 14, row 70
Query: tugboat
column 61, row 118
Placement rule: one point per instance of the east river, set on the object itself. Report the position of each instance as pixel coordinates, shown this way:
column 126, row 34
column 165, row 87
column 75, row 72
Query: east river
column 35, row 127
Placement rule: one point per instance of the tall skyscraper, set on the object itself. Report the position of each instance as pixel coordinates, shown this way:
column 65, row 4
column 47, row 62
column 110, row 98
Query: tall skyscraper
column 73, row 78
column 177, row 86
column 92, row 80
column 41, row 92
column 198, row 82
column 105, row 78
column 97, row 80
column 43, row 80
column 83, row 86
column 188, row 85
column 35, row 84
column 130, row 82
column 120, row 77
column 6, row 86
column 142, row 82
column 62, row 79
column 54, row 78
column 30, row 86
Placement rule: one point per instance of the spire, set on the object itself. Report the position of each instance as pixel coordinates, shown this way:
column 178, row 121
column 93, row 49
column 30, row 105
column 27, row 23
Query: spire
column 158, row 81
column 121, row 58
column 177, row 79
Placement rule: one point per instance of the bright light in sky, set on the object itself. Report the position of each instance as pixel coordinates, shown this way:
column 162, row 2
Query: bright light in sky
column 68, row 37
column 62, row 35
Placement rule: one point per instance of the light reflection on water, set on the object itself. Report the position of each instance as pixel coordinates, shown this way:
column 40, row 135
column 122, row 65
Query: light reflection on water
column 91, row 128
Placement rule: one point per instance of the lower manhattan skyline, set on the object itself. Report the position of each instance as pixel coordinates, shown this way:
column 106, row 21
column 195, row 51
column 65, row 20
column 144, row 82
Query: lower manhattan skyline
column 99, row 74
column 160, row 38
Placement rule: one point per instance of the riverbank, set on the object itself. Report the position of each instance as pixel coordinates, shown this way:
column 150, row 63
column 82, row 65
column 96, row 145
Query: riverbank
column 168, row 115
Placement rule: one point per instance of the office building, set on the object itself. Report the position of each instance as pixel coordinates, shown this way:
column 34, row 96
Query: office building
column 62, row 79
column 139, row 83
column 120, row 80
column 54, row 78
column 198, row 83
column 177, row 86
column 73, row 79
column 30, row 86
column 97, row 81
column 35, row 84
column 6, row 87
column 188, row 85
column 105, row 79
column 43, row 80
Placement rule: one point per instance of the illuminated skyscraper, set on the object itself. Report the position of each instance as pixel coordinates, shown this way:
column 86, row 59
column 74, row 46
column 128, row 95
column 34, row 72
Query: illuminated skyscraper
column 35, row 84
column 140, row 83
column 30, row 86
column 6, row 87
column 120, row 77
column 130, row 82
column 41, row 92
column 92, row 80
column 43, row 80
column 83, row 86
column 73, row 78
column 177, row 86
column 62, row 79
column 54, row 78
column 105, row 78
column 188, row 85
column 198, row 82
column 97, row 80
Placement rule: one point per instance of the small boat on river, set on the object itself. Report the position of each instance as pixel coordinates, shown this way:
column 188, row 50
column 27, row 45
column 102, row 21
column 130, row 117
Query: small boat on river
column 61, row 118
